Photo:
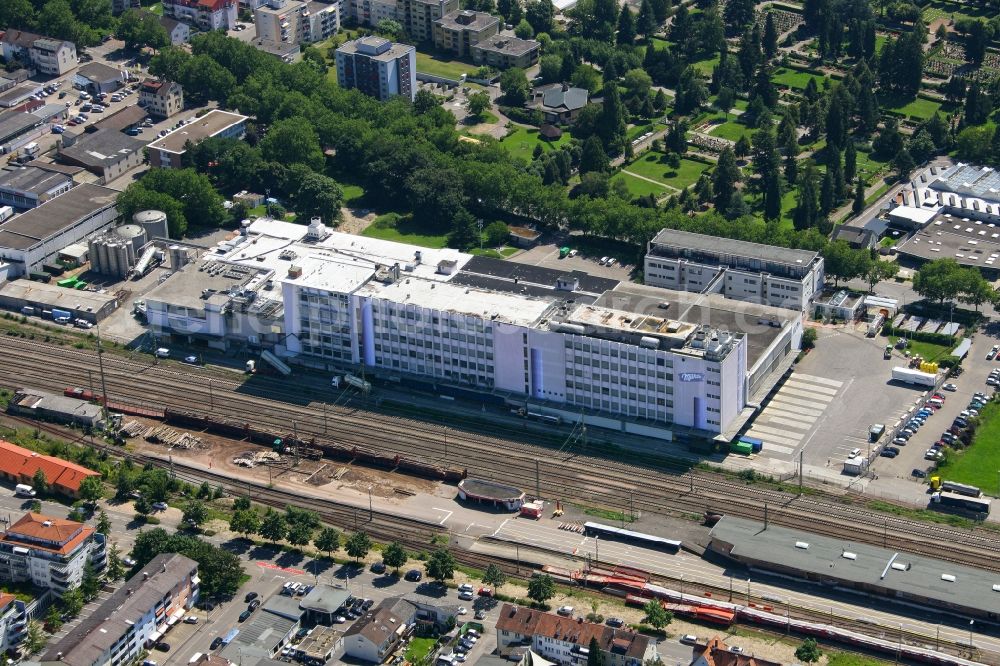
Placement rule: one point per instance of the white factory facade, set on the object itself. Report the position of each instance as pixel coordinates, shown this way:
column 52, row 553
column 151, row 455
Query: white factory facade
column 563, row 344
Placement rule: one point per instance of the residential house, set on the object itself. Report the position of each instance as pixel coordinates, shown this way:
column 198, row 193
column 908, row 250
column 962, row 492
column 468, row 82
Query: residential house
column 503, row 52
column 95, row 77
column 26, row 187
column 178, row 31
column 717, row 653
column 376, row 635
column 281, row 21
column 559, row 103
column 132, row 619
column 858, row 238
column 460, row 32
column 378, row 67
column 566, row 640
column 161, row 99
column 203, row 14
column 51, row 553
column 19, row 465
column 13, row 622
column 107, row 153
column 50, row 57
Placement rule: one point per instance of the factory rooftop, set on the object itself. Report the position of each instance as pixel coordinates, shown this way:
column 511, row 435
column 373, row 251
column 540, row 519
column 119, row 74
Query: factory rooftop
column 102, row 148
column 905, row 576
column 969, row 180
column 967, row 241
column 31, row 179
column 673, row 242
column 53, row 296
column 210, row 124
column 28, row 229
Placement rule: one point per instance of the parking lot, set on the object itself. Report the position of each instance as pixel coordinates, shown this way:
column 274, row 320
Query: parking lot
column 547, row 256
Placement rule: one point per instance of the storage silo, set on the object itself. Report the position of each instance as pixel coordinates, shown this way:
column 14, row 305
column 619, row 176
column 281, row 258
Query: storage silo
column 178, row 257
column 134, row 235
column 154, row 222
column 102, row 254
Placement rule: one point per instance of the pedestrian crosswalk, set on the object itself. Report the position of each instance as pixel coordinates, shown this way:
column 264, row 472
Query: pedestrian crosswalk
column 793, row 412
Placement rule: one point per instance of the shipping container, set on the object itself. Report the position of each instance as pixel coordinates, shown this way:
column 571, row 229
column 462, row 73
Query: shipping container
column 743, row 448
column 58, row 314
column 756, row 444
column 961, row 489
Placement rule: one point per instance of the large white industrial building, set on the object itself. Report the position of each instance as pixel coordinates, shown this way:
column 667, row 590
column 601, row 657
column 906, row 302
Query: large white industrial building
column 626, row 356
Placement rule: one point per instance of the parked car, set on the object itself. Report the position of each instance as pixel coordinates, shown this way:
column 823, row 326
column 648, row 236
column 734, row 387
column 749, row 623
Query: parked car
column 899, row 441
column 887, row 453
column 413, row 575
column 254, row 605
column 128, row 561
column 245, row 614
column 250, row 597
column 688, row 639
column 919, row 473
column 480, row 614
column 162, row 647
column 615, row 622
column 160, row 506
column 217, row 642
column 462, row 610
column 950, row 387
column 465, row 595
column 378, row 567
column 465, row 587
column 486, row 591
column 565, row 610
column 191, row 619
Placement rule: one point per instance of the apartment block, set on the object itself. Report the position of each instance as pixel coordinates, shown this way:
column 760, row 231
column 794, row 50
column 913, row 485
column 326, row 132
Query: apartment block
column 370, row 12
column 281, row 21
column 49, row 57
column 133, row 619
column 50, row 552
column 418, row 16
column 13, row 622
column 743, row 271
column 161, row 99
column 168, row 151
column 461, row 31
column 203, row 14
column 503, row 52
column 378, row 67
column 323, row 20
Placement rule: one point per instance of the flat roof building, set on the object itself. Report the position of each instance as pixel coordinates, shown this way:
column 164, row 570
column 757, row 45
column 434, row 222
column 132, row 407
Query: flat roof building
column 460, row 31
column 167, row 151
column 45, row 297
column 96, row 77
column 58, row 408
column 504, row 52
column 642, row 359
column 740, row 270
column 378, row 67
column 970, row 242
column 26, row 187
column 905, row 577
column 133, row 618
column 35, row 237
column 107, row 153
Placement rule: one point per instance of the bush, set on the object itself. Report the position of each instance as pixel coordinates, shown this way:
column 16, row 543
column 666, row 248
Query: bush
column 809, row 338
column 526, row 116
column 920, row 336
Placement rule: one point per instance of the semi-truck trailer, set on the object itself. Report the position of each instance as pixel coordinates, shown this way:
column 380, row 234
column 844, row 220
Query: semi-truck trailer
column 912, row 376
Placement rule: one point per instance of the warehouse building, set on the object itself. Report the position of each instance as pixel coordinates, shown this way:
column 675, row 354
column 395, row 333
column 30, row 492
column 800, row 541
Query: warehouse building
column 27, row 187
column 743, row 271
column 632, row 358
column 33, row 238
column 107, row 153
column 906, row 577
column 44, row 297
column 45, row 406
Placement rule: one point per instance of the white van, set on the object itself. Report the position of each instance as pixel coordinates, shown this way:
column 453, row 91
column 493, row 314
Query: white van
column 24, row 490
column 162, row 352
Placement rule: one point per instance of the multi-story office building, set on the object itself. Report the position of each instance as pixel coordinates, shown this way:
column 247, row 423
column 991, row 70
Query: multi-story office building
column 378, row 67
column 505, row 52
column 460, row 32
column 646, row 359
column 50, row 552
column 203, row 14
column 418, row 16
column 161, row 99
column 50, row 57
column 132, row 619
column 775, row 276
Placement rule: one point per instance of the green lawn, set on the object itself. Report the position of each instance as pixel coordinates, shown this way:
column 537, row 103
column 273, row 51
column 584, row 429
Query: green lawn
column 852, row 659
column 929, row 351
column 868, row 166
column 705, row 67
column 978, row 464
column 794, row 78
column 919, row 108
column 418, row 649
column 638, row 187
column 880, row 41
column 946, row 9
column 635, row 132
column 352, row 193
column 493, row 253
column 732, row 130
column 440, row 65
column 156, row 8
column 395, row 227
column 651, row 166
column 522, row 142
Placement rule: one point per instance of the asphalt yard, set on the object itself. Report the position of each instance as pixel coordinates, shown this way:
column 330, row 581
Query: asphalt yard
column 793, row 412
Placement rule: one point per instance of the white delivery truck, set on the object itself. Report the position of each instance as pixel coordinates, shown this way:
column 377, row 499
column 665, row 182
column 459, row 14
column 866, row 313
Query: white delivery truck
column 24, row 490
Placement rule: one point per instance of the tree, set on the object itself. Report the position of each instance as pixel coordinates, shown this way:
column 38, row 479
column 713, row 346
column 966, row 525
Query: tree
column 850, row 161
column 540, row 14
column 496, row 233
column 766, row 161
column 220, row 570
column 646, row 24
column 195, row 513
column 550, row 68
column 541, row 588
column 116, row 568
column 656, row 615
column 143, row 507
column 318, row 196
column 138, row 29
column 858, row 204
column 241, row 503
column 479, row 103
column 742, row 147
column 293, row 141
column 514, row 86
column 806, row 214
column 394, row 556
column 611, row 127
column 523, row 30
column 390, row 28
column 880, row 270
column 299, row 534
column 103, row 523
column 53, row 619
column 34, row 640
column 844, row 263
column 626, row 27
column 441, row 565
column 72, row 602
column 39, row 482
column 975, row 289
column 245, row 522
column 809, row 651
column 328, row 540
column 737, row 15
column 90, row 584
column 494, row 577
column 593, row 158
column 975, row 42
column 595, row 657
column 91, row 489
column 903, row 164
column 724, row 179
column 511, row 10
column 691, row 92
column 464, row 230
column 358, row 545
column 770, row 38
column 273, row 526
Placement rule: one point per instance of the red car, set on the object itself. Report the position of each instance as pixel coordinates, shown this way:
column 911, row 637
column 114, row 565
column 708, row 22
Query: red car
column 78, row 393
column 486, row 591
column 932, row 405
column 938, row 396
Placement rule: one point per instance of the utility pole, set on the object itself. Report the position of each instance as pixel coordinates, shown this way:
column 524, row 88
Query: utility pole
column 631, row 505
column 801, row 453
column 538, row 485
column 691, row 478
column 765, row 515
column 748, row 591
column 371, row 516
column 100, row 367
column 211, row 397
column 324, row 417
column 90, row 378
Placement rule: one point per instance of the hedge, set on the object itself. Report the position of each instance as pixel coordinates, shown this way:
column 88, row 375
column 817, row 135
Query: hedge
column 920, row 336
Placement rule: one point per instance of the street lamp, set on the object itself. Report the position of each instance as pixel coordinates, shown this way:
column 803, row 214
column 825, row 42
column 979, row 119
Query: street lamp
column 748, row 591
column 371, row 517
column 971, row 624
column 597, row 551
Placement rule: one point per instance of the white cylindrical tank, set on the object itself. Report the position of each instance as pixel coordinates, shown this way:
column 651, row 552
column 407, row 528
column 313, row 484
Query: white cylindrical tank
column 154, row 222
column 102, row 253
column 178, row 257
column 133, row 234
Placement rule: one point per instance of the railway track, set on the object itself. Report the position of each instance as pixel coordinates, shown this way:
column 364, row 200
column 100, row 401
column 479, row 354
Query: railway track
column 386, row 527
column 568, row 476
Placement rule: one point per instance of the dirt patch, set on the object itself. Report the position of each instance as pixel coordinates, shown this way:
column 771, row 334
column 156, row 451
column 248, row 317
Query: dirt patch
column 353, row 222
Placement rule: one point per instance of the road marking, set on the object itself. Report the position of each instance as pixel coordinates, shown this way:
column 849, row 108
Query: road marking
column 501, row 526
column 812, row 387
column 817, row 380
column 797, row 416
column 802, row 393
column 446, row 517
column 777, row 448
column 291, row 570
column 790, row 423
column 799, row 402
column 796, row 409
column 769, row 438
column 768, row 431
